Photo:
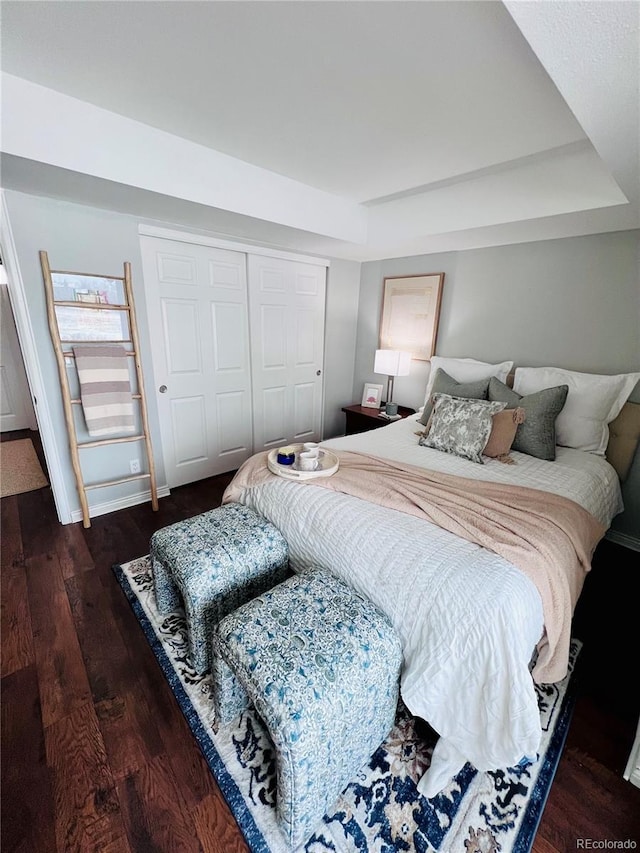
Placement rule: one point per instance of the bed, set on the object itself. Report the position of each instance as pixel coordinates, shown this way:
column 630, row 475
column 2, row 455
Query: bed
column 468, row 619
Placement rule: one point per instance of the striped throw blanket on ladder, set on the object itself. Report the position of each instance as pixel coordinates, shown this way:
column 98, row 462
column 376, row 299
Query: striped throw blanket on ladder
column 105, row 389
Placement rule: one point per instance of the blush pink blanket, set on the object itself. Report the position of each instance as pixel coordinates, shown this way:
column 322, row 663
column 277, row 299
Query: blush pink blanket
column 549, row 538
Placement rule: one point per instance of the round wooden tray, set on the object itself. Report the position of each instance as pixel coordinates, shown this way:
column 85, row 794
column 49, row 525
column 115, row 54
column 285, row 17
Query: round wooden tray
column 328, row 464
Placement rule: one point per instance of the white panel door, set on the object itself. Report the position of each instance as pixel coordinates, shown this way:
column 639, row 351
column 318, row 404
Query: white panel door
column 200, row 342
column 16, row 410
column 286, row 307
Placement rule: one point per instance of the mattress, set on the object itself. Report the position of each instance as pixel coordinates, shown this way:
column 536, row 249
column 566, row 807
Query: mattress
column 585, row 478
column 468, row 619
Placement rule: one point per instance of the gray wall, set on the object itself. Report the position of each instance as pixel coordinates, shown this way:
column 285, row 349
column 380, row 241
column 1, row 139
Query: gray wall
column 340, row 342
column 573, row 303
column 93, row 240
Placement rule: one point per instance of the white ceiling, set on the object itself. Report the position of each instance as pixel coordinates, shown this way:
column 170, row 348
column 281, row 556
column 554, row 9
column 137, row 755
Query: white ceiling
column 356, row 99
column 438, row 117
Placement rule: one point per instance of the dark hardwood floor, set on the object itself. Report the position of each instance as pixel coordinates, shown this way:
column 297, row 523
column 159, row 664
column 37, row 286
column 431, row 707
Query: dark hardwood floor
column 97, row 756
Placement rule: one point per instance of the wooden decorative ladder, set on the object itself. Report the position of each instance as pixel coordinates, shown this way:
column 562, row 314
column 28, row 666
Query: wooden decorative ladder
column 127, row 307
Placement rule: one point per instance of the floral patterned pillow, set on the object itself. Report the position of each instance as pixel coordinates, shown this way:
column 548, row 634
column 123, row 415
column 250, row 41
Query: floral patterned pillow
column 461, row 426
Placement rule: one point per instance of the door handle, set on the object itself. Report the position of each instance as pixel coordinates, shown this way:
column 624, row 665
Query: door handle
column 318, row 372
column 162, row 389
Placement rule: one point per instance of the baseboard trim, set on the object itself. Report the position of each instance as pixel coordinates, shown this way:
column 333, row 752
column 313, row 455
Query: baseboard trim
column 120, row 503
column 623, row 539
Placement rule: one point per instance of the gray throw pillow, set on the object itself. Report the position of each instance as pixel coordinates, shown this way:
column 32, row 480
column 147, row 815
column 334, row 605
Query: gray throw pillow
column 461, row 426
column 445, row 384
column 537, row 435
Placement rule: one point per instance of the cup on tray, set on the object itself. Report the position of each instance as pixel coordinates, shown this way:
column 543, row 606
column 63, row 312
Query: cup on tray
column 308, row 460
column 311, row 447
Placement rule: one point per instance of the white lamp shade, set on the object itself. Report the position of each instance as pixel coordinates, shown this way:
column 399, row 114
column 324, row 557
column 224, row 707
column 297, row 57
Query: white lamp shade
column 392, row 362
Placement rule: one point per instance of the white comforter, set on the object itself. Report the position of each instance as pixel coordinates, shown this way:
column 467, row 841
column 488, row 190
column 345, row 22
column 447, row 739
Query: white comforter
column 468, row 619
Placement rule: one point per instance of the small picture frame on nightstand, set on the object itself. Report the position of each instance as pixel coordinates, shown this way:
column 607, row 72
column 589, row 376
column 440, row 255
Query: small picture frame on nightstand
column 371, row 396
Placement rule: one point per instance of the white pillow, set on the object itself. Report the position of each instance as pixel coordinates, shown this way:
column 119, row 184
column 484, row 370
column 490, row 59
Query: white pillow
column 593, row 401
column 467, row 370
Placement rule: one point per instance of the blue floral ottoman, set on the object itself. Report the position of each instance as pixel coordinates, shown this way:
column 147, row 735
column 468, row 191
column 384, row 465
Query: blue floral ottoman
column 215, row 562
column 321, row 666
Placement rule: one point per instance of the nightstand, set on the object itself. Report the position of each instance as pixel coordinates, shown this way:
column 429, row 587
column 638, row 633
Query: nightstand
column 362, row 419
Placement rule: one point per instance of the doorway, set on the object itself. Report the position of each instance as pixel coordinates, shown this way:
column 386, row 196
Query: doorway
column 16, row 408
column 22, row 469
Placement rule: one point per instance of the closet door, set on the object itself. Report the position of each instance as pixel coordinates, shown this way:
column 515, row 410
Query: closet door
column 286, row 307
column 200, row 342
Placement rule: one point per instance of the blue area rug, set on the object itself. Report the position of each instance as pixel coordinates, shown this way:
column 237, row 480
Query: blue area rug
column 381, row 810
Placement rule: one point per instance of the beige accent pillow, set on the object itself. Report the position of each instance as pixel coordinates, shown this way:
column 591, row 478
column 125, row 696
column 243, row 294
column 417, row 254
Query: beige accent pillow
column 503, row 433
column 624, row 434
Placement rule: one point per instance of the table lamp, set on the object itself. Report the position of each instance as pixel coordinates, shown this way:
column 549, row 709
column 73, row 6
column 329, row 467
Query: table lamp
column 393, row 363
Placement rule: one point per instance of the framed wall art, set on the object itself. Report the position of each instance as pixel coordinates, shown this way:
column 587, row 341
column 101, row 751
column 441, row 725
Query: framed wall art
column 410, row 314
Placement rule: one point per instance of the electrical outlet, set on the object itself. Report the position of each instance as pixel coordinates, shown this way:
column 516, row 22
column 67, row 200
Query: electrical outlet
column 134, row 465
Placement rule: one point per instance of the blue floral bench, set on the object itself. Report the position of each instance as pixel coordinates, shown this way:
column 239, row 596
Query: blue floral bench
column 214, row 563
column 321, row 666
